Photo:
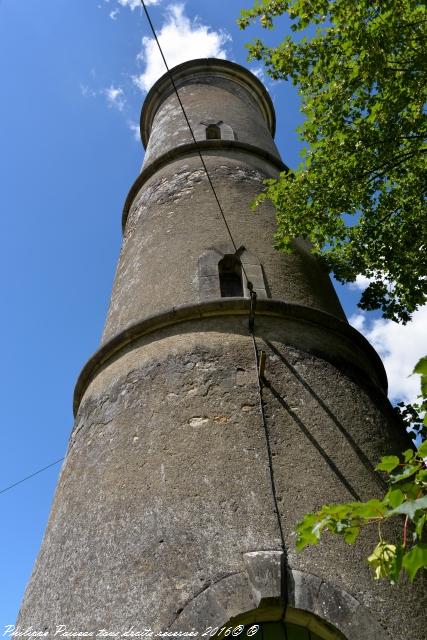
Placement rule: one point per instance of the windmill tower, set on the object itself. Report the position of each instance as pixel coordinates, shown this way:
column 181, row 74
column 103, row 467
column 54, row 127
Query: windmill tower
column 185, row 476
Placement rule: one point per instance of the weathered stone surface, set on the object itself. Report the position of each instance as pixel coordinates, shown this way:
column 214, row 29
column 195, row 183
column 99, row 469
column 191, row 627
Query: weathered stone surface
column 158, row 265
column 167, row 486
column 211, row 91
column 264, row 569
column 334, row 606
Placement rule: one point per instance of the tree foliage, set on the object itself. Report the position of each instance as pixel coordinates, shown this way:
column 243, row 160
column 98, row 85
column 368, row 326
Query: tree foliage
column 359, row 194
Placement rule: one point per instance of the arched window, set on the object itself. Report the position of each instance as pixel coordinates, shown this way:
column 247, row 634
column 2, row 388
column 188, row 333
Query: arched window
column 213, row 132
column 230, row 277
column 220, row 273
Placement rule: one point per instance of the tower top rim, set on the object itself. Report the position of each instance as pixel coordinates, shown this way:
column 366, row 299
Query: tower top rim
column 199, row 67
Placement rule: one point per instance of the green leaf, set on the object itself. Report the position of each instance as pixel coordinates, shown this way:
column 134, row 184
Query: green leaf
column 415, row 559
column 394, row 497
column 403, row 474
column 420, row 525
column 421, row 366
column 382, row 559
column 367, row 510
column 351, row 534
column 422, row 450
column 396, row 565
column 317, row 529
column 408, row 455
column 409, row 507
column 304, row 531
column 341, row 526
column 421, row 476
column 388, row 463
column 304, row 539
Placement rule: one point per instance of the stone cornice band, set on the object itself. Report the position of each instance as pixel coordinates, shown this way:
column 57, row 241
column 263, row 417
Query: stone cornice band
column 221, row 308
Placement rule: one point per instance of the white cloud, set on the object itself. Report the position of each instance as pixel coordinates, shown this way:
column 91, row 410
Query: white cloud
column 181, row 39
column 113, row 14
column 115, row 97
column 88, row 92
column 258, row 72
column 358, row 321
column 400, row 347
column 134, row 4
column 360, row 283
column 134, row 127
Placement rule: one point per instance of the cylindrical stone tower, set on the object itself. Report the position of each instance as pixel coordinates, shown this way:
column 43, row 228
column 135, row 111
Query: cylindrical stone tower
column 165, row 513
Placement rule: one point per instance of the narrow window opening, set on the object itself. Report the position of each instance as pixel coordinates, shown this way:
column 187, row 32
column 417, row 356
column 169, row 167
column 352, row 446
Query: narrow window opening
column 213, row 132
column 230, row 277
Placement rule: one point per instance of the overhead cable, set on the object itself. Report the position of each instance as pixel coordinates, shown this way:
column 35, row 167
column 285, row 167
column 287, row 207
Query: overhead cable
column 52, row 464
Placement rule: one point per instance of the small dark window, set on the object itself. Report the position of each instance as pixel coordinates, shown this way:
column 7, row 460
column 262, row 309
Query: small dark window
column 213, row 132
column 230, row 277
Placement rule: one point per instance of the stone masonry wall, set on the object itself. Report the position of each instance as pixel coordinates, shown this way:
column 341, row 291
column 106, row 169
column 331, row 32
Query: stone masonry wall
column 166, row 483
column 174, row 219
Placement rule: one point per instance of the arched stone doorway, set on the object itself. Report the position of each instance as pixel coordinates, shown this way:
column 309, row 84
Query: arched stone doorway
column 267, row 592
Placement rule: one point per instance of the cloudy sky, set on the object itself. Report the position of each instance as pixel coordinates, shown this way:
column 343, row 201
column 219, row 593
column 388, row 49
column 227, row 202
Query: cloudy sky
column 74, row 74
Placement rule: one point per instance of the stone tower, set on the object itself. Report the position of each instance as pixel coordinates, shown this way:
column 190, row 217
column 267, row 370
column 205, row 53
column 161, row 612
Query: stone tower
column 184, row 478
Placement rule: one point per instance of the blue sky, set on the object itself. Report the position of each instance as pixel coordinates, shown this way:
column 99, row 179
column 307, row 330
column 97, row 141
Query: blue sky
column 74, row 74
